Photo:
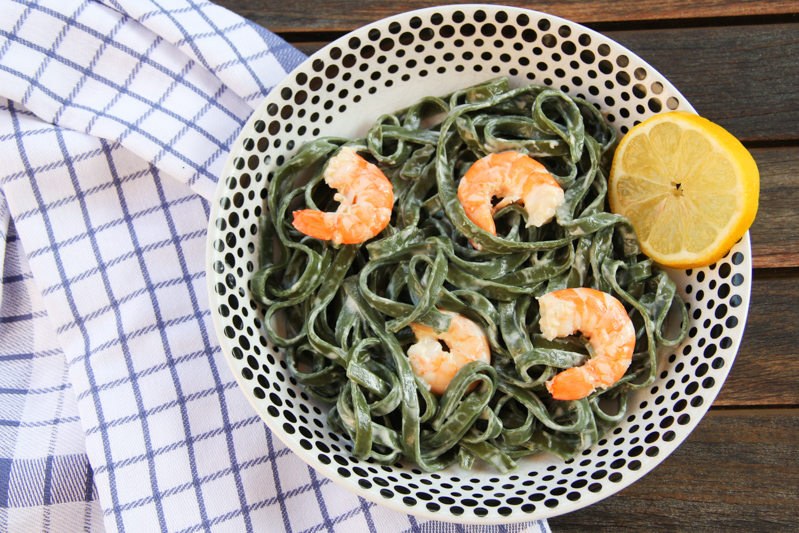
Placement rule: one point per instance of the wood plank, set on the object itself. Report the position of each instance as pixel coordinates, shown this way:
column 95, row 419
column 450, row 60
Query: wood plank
column 773, row 242
column 738, row 471
column 765, row 371
column 745, row 78
column 310, row 15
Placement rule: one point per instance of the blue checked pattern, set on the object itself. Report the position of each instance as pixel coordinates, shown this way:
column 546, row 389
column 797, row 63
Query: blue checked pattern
column 45, row 477
column 117, row 409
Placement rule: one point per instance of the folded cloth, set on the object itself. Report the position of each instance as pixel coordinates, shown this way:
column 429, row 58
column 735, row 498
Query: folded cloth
column 46, row 483
column 117, row 409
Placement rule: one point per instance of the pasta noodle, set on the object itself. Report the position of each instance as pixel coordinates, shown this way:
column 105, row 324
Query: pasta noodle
column 346, row 309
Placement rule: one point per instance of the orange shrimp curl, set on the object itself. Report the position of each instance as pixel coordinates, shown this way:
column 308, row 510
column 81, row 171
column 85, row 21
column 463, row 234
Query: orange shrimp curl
column 466, row 342
column 514, row 177
column 604, row 321
column 365, row 199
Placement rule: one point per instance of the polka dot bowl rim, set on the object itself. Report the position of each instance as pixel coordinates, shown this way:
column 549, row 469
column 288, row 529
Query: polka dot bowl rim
column 340, row 90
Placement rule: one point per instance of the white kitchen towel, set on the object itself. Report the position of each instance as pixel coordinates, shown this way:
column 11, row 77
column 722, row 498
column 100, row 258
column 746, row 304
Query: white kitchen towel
column 117, row 409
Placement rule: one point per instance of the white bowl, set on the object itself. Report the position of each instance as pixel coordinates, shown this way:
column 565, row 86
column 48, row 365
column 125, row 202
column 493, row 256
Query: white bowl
column 340, row 91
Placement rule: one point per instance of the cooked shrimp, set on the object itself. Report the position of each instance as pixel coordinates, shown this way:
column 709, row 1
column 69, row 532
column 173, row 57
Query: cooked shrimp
column 513, row 177
column 604, row 321
column 366, row 198
column 466, row 342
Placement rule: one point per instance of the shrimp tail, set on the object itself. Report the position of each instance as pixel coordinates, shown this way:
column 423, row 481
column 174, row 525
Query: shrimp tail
column 572, row 384
column 315, row 224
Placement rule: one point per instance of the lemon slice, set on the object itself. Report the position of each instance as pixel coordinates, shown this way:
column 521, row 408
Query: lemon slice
column 687, row 185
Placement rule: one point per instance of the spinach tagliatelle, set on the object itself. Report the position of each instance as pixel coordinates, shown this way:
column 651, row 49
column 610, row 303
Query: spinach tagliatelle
column 346, row 310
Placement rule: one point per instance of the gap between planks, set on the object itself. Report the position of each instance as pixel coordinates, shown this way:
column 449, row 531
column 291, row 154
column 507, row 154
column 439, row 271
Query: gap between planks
column 749, row 410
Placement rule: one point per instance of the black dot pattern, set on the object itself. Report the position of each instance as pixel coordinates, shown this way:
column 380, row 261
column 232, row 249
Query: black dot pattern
column 340, row 91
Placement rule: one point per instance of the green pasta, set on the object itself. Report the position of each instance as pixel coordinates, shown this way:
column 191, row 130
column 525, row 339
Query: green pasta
column 346, row 310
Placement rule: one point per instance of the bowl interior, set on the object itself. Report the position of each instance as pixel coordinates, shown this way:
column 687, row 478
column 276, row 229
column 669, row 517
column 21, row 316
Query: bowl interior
column 341, row 90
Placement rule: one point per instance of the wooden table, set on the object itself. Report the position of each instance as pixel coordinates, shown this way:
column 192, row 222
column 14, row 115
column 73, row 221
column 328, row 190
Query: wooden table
column 737, row 62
